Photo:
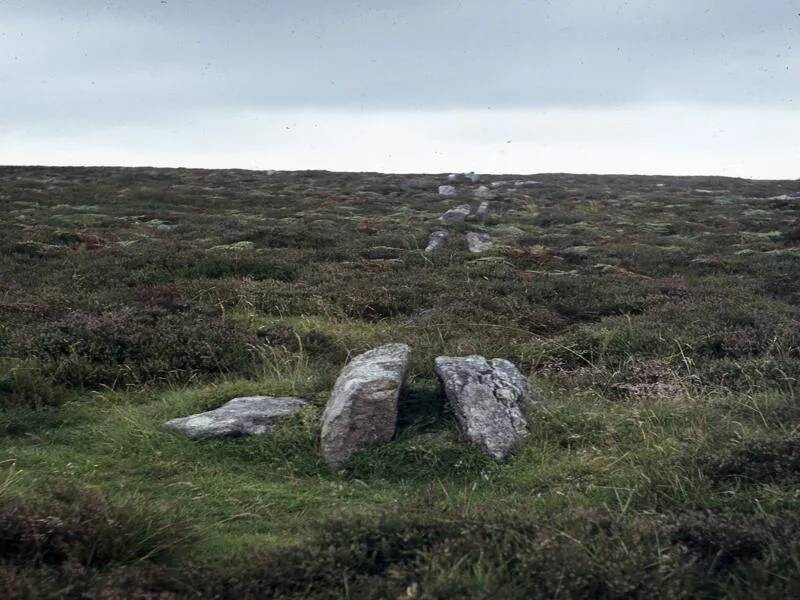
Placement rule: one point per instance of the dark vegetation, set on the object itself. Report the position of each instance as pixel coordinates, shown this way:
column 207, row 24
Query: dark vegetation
column 661, row 324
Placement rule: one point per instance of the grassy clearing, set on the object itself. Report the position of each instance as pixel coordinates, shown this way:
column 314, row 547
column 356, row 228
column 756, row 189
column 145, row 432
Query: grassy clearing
column 661, row 326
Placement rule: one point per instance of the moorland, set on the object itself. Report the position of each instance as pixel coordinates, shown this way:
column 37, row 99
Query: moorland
column 658, row 318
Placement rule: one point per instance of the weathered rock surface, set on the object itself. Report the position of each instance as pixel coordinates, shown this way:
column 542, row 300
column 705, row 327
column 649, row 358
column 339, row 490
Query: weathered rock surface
column 241, row 416
column 482, row 212
column 483, row 192
column 459, row 213
column 526, row 183
column 472, row 176
column 447, row 190
column 478, row 242
column 362, row 409
column 489, row 399
column 437, row 239
column 499, row 184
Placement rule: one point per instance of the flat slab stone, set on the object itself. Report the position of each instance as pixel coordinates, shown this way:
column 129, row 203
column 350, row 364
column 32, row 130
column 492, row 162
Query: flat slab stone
column 362, row 409
column 437, row 239
column 478, row 242
column 249, row 415
column 454, row 215
column 489, row 399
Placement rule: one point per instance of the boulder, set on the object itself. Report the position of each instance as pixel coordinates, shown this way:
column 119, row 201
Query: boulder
column 362, row 409
column 526, row 183
column 241, row 416
column 498, row 184
column 447, row 190
column 472, row 176
column 454, row 177
column 437, row 239
column 459, row 213
column 478, row 242
column 489, row 399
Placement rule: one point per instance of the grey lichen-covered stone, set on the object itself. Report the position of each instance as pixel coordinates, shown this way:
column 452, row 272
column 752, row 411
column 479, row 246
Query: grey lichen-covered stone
column 436, row 240
column 459, row 213
column 473, row 176
column 447, row 190
column 489, row 399
column 482, row 212
column 526, row 183
column 362, row 409
column 478, row 242
column 499, row 184
column 241, row 416
column 483, row 192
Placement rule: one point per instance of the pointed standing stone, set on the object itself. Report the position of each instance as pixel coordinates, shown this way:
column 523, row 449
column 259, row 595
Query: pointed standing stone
column 362, row 410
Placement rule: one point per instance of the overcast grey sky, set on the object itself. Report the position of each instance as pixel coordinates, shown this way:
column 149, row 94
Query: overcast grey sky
column 670, row 86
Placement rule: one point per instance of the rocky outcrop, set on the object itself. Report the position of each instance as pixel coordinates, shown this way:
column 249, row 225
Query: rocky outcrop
column 362, row 409
column 447, row 190
column 454, row 215
column 478, row 242
column 436, row 240
column 489, row 399
column 241, row 416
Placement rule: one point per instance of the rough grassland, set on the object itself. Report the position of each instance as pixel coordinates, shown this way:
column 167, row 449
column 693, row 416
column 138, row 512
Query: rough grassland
column 660, row 323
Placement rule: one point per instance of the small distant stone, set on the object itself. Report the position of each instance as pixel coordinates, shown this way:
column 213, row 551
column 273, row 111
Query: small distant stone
column 459, row 213
column 362, row 409
column 447, row 190
column 249, row 415
column 483, row 211
column 791, row 196
column 235, row 246
column 436, row 240
column 472, row 176
column 577, row 250
column 498, row 184
column 489, row 399
column 526, row 183
column 479, row 242
column 702, row 191
column 483, row 192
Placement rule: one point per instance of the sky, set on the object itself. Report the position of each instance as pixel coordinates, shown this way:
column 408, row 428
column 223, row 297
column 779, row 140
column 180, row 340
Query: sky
column 706, row 87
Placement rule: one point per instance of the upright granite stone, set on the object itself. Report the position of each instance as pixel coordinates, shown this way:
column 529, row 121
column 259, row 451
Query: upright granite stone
column 482, row 212
column 459, row 213
column 436, row 240
column 241, row 416
column 489, row 399
column 362, row 409
column 478, row 242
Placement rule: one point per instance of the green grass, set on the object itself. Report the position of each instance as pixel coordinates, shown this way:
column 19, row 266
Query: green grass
column 663, row 461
